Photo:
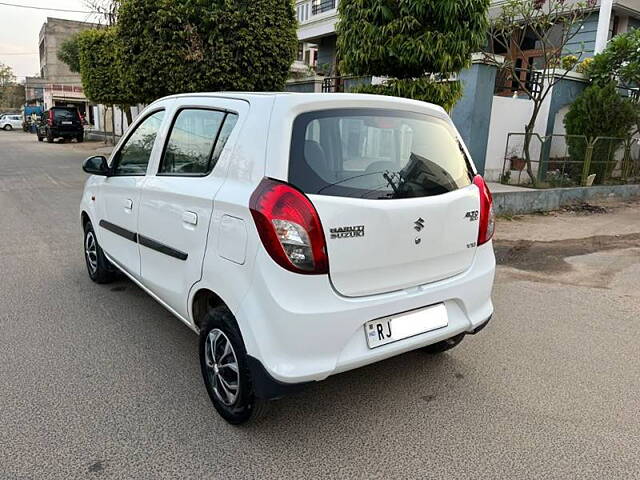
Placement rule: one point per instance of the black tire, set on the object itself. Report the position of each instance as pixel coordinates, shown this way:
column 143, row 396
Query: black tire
column 444, row 345
column 80, row 138
column 245, row 406
column 8, row 127
column 40, row 138
column 99, row 268
column 49, row 137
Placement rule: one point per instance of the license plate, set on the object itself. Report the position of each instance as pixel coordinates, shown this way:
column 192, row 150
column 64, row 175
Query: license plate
column 67, row 123
column 404, row 325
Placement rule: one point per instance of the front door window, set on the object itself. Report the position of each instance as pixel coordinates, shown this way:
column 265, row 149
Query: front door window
column 133, row 157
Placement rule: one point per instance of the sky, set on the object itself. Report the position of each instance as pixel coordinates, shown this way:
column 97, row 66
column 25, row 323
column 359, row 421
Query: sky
column 19, row 29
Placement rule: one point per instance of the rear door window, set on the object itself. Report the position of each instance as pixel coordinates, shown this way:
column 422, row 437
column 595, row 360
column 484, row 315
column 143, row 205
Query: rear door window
column 376, row 154
column 65, row 114
column 195, row 142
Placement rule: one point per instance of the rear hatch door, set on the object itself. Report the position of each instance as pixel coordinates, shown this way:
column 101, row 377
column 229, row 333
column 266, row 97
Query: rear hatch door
column 66, row 120
column 394, row 194
column 376, row 247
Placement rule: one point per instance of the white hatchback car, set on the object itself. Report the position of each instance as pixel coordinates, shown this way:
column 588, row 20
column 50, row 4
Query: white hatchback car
column 301, row 235
column 10, row 121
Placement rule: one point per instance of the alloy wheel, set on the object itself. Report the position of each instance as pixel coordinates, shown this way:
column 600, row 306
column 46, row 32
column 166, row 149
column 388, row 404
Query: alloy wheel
column 91, row 252
column 222, row 367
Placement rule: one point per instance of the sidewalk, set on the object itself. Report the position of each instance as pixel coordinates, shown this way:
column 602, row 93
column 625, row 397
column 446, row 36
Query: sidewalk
column 104, row 150
column 499, row 187
column 511, row 200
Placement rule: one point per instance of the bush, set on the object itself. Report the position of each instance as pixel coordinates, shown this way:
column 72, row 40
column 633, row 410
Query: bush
column 441, row 93
column 193, row 45
column 599, row 112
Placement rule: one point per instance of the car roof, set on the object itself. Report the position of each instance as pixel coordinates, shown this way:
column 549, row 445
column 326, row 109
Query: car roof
column 294, row 99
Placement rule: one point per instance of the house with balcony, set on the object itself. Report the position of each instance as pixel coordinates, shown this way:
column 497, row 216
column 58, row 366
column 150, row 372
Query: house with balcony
column 317, row 34
column 491, row 107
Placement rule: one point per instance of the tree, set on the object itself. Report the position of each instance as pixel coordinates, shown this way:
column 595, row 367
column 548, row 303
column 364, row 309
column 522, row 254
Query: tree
column 419, row 45
column 548, row 25
column 69, row 53
column 6, row 75
column 188, row 46
column 620, row 61
column 12, row 96
column 599, row 111
column 6, row 78
column 106, row 10
column 100, row 59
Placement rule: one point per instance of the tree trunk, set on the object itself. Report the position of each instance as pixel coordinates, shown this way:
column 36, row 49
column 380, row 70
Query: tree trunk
column 528, row 131
column 127, row 112
column 528, row 134
column 113, row 124
column 121, row 121
column 104, row 123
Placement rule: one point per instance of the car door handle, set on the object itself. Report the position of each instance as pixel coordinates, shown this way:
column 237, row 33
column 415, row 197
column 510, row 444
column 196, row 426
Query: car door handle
column 190, row 218
column 128, row 204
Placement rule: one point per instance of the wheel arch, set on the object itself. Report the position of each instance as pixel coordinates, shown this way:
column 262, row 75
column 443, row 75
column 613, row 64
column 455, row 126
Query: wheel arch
column 84, row 218
column 203, row 300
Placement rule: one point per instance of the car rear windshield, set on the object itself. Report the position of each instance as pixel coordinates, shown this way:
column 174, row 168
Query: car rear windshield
column 376, row 154
column 65, row 114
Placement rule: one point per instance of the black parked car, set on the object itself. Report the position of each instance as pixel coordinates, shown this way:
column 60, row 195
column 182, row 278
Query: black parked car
column 60, row 122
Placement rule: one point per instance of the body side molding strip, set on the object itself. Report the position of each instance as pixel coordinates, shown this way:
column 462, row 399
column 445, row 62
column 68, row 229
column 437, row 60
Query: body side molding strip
column 144, row 241
column 123, row 232
column 161, row 247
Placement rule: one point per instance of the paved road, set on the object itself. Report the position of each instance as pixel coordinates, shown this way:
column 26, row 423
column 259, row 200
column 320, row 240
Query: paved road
column 101, row 382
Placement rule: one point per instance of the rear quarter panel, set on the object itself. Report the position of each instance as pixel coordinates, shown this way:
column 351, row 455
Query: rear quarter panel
column 244, row 162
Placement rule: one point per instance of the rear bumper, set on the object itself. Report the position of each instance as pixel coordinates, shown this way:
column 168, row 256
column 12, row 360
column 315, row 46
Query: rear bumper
column 300, row 330
column 268, row 388
column 56, row 133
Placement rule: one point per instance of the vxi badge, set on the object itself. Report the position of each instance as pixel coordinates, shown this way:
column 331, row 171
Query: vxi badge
column 472, row 215
column 347, row 232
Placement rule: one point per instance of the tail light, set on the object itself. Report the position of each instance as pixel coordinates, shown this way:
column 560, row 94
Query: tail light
column 50, row 119
column 487, row 220
column 289, row 227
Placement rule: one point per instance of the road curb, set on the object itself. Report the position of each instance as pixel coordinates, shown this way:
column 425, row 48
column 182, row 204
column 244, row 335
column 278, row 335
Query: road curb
column 530, row 201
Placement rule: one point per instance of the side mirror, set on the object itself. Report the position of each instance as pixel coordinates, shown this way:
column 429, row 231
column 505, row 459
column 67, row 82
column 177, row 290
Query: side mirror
column 96, row 165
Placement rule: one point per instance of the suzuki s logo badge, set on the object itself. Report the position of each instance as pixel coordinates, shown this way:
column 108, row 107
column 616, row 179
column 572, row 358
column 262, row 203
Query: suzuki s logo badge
column 418, row 225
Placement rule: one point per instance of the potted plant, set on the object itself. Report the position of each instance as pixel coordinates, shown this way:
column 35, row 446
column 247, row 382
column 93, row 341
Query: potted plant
column 517, row 163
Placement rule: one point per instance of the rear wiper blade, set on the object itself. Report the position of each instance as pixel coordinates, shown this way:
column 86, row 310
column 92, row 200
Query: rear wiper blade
column 351, row 178
column 390, row 181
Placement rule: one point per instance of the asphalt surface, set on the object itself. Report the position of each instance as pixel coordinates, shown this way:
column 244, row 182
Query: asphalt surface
column 99, row 381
